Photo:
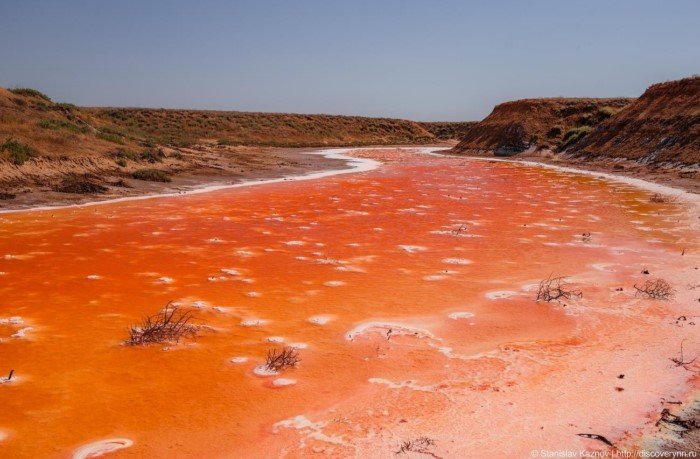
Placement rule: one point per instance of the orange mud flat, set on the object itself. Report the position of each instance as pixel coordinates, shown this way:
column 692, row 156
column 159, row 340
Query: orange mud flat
column 408, row 292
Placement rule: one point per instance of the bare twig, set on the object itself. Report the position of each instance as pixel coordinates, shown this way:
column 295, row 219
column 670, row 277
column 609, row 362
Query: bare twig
column 596, row 437
column 681, row 362
column 461, row 228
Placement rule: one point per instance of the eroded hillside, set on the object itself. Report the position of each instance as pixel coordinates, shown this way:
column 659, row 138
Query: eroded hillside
column 662, row 126
column 514, row 127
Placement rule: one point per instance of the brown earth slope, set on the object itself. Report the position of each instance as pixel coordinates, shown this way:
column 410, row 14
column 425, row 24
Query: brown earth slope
column 447, row 130
column 514, row 127
column 662, row 126
column 187, row 127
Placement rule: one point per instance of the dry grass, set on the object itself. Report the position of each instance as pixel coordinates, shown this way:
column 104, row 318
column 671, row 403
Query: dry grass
column 151, row 175
column 657, row 198
column 80, row 184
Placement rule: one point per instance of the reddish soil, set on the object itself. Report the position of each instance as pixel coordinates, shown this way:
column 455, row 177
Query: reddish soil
column 662, row 126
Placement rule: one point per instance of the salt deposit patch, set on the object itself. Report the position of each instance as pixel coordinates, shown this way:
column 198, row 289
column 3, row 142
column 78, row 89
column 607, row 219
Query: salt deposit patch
column 456, row 261
column 500, row 294
column 254, row 322
column 283, row 382
column 263, row 371
column 14, row 320
column 401, row 385
column 334, row 283
column 313, row 430
column 321, row 319
column 274, row 339
column 412, row 248
column 602, row 267
column 94, row 277
column 101, row 447
column 21, row 333
column 460, row 315
column 239, row 360
column 387, row 329
column 434, row 277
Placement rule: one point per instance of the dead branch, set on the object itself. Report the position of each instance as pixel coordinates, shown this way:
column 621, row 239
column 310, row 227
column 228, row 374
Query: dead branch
column 278, row 360
column 681, row 362
column 461, row 228
column 421, row 445
column 8, row 378
column 168, row 326
column 596, row 437
column 586, row 237
column 656, row 289
column 555, row 288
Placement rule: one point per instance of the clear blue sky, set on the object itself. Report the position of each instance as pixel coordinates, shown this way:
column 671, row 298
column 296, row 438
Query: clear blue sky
column 423, row 60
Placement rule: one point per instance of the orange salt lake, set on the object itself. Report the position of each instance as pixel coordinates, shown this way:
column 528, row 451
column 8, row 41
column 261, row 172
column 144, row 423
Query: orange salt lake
column 409, row 292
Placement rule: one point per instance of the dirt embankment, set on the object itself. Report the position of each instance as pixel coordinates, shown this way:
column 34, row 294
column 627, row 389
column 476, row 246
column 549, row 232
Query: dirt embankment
column 517, row 126
column 448, row 130
column 661, row 126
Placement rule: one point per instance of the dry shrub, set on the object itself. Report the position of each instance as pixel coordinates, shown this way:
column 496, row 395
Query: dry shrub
column 661, row 199
column 278, row 360
column 656, row 289
column 421, row 445
column 80, row 184
column 168, row 326
column 556, row 288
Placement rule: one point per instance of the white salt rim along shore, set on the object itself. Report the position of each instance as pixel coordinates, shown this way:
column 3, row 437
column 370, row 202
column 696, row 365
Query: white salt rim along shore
column 354, row 165
column 686, row 196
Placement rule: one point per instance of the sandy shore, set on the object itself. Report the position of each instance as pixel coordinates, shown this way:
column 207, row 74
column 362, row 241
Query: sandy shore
column 207, row 169
column 210, row 170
